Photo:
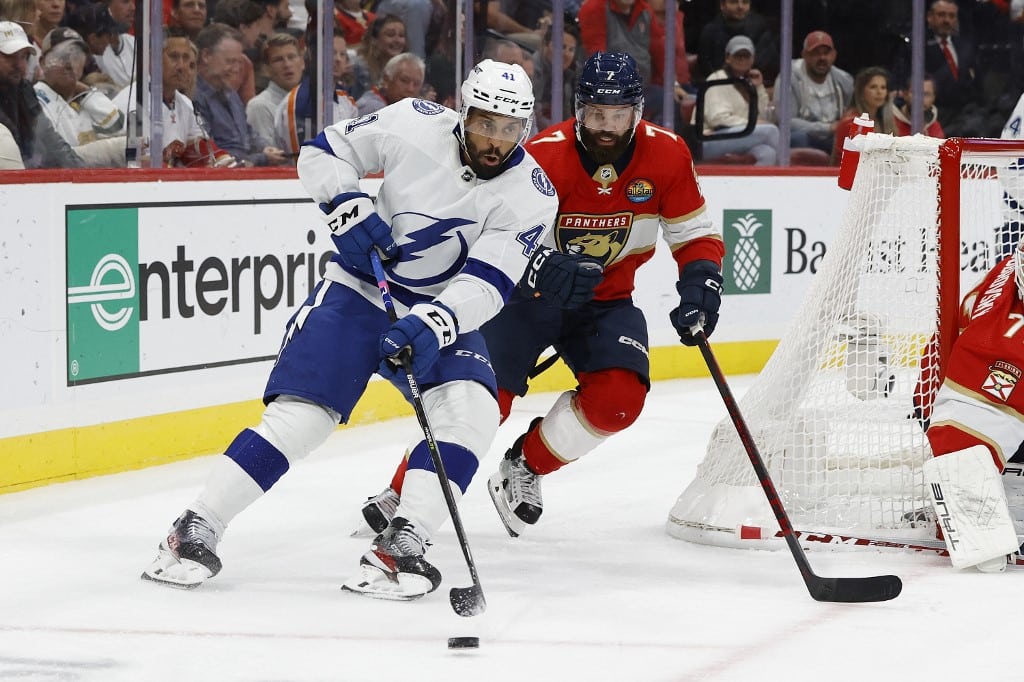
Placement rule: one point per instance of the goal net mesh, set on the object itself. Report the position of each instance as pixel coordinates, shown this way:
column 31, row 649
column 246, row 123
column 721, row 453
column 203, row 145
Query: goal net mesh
column 837, row 411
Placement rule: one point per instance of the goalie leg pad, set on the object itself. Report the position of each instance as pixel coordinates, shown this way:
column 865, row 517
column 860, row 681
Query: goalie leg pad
column 966, row 492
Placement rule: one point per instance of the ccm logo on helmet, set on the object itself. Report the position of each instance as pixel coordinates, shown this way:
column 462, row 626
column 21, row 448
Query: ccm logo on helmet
column 499, row 98
column 609, row 91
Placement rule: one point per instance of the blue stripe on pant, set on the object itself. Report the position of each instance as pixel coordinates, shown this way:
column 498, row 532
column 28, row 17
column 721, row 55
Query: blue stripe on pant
column 264, row 463
column 459, row 463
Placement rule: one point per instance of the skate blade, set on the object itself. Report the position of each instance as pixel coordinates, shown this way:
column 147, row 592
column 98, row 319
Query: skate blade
column 168, row 570
column 363, row 531
column 377, row 584
column 513, row 524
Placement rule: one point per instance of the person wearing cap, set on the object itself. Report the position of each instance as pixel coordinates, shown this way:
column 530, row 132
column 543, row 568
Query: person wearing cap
column 727, row 107
column 84, row 116
column 39, row 144
column 819, row 93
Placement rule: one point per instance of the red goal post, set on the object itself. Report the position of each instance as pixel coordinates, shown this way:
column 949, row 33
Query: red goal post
column 836, row 412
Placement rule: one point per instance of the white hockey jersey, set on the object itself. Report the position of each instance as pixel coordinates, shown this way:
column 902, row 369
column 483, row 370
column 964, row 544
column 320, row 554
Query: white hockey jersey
column 179, row 121
column 464, row 240
column 87, row 117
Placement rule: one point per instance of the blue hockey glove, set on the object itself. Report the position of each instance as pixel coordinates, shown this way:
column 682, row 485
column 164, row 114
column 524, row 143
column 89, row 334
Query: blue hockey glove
column 356, row 228
column 700, row 295
column 427, row 329
column 566, row 280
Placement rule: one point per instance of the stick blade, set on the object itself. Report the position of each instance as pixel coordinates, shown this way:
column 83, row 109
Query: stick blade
column 855, row 590
column 468, row 601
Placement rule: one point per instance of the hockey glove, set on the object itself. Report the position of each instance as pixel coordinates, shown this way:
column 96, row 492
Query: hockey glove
column 700, row 295
column 427, row 329
column 566, row 280
column 356, row 228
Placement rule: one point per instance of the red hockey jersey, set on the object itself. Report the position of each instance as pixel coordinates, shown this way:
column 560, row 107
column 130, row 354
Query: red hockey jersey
column 978, row 402
column 614, row 212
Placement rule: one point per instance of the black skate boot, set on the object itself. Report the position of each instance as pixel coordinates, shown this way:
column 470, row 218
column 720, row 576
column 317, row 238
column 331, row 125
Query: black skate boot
column 187, row 556
column 515, row 488
column 394, row 568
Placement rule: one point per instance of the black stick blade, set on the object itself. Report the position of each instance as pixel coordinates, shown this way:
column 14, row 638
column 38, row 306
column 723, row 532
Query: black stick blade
column 854, row 590
column 468, row 601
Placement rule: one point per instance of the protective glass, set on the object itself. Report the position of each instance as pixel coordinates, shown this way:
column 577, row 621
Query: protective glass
column 496, row 126
column 606, row 118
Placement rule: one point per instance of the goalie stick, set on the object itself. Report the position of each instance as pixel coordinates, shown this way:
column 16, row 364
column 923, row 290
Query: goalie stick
column 465, row 601
column 870, row 589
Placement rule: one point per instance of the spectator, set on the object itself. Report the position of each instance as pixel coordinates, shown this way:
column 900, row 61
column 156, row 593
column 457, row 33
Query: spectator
column 185, row 142
column 253, row 23
column 23, row 13
column 39, row 144
column 402, row 77
column 416, row 15
column 682, row 64
column 118, row 59
column 383, row 40
column 627, row 26
column 819, row 94
column 542, row 74
column 901, row 112
column 871, row 97
column 344, row 75
column 283, row 58
column 507, row 52
column 83, row 116
column 950, row 57
column 440, row 65
column 727, row 108
column 50, row 14
column 123, row 12
column 295, row 119
column 736, row 18
column 278, row 12
column 189, row 16
column 219, row 105
column 10, row 155
column 98, row 29
column 352, row 19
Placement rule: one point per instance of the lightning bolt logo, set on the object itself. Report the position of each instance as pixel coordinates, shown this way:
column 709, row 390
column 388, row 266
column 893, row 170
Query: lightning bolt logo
column 417, row 243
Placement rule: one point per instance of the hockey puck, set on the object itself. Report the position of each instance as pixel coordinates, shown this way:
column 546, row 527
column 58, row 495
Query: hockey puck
column 463, row 642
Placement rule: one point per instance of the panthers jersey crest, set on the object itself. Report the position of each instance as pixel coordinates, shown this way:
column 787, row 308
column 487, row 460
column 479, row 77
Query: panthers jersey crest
column 597, row 236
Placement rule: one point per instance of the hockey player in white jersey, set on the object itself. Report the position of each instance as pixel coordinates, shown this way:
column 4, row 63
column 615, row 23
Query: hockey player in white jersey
column 460, row 211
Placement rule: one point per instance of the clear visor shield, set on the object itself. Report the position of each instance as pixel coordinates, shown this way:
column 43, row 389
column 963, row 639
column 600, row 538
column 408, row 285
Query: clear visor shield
column 497, row 126
column 607, row 118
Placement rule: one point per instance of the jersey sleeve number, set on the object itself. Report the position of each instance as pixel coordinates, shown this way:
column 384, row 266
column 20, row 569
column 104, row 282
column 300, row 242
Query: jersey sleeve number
column 531, row 238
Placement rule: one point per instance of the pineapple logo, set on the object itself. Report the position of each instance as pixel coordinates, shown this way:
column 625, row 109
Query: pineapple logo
column 748, row 248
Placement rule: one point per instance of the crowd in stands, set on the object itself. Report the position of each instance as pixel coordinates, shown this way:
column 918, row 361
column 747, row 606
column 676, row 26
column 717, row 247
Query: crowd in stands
column 236, row 73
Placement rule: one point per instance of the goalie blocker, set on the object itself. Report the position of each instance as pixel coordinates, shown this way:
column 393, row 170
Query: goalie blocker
column 966, row 492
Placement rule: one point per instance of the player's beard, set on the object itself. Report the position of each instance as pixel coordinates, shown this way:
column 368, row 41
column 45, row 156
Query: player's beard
column 476, row 155
column 603, row 151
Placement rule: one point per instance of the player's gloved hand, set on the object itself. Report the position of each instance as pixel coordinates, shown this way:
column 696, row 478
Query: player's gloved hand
column 700, row 294
column 427, row 329
column 567, row 280
column 356, row 228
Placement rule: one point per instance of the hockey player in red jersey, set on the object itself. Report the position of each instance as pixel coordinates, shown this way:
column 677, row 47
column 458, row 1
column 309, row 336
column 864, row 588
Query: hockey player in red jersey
column 977, row 421
column 621, row 182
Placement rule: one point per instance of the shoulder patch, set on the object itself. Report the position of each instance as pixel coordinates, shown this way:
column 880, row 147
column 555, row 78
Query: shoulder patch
column 427, row 108
column 543, row 183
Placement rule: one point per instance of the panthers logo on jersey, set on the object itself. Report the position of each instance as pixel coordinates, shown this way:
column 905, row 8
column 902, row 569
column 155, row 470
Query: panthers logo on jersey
column 597, row 236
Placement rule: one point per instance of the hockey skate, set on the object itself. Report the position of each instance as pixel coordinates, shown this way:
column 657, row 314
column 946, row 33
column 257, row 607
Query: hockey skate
column 380, row 509
column 515, row 489
column 394, row 568
column 187, row 556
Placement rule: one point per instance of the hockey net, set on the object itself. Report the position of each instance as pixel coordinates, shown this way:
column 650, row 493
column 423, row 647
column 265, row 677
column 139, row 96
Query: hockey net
column 837, row 411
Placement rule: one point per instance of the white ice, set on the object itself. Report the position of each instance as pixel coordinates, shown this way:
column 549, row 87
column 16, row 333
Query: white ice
column 596, row 591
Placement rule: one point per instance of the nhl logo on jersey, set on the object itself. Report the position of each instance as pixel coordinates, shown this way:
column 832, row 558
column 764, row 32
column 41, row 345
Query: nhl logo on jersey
column 640, row 190
column 427, row 108
column 1001, row 381
column 543, row 183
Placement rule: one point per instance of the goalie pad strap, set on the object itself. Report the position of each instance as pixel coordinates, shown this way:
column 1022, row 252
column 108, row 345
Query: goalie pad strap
column 967, row 495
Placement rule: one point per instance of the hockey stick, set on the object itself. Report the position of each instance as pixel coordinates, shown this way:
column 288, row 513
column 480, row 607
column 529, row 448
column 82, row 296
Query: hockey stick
column 466, row 601
column 876, row 588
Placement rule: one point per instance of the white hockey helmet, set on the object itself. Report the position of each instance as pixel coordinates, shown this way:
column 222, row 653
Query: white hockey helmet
column 498, row 88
